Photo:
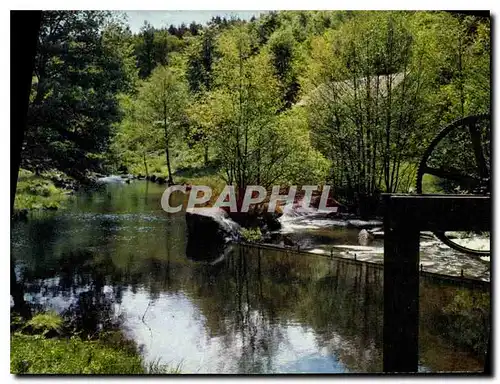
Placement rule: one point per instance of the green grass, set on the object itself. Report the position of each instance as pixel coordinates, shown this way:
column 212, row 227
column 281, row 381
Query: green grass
column 187, row 165
column 181, row 158
column 37, row 192
column 156, row 368
column 45, row 322
column 252, row 235
column 37, row 355
column 31, row 352
column 215, row 182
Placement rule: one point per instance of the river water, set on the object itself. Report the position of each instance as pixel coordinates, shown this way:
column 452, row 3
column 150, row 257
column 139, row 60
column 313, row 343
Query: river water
column 115, row 257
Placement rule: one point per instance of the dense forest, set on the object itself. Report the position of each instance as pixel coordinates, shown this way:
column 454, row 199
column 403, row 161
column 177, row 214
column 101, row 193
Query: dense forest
column 346, row 98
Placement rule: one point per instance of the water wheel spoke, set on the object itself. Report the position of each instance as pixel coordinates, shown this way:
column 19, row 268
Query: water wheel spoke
column 475, row 176
column 475, row 136
column 452, row 174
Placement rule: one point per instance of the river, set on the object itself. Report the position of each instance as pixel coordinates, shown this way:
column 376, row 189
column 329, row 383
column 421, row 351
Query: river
column 114, row 256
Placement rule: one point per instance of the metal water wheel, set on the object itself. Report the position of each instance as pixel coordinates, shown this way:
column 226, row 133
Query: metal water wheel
column 458, row 161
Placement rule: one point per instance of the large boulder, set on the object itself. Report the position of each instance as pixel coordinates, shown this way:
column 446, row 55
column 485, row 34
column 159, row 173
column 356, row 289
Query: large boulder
column 258, row 217
column 265, row 221
column 209, row 231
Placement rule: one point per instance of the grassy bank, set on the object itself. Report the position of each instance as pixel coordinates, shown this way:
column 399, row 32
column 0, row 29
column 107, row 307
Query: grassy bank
column 35, row 354
column 39, row 191
column 40, row 346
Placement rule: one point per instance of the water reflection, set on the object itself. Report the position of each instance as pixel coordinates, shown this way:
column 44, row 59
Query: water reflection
column 116, row 259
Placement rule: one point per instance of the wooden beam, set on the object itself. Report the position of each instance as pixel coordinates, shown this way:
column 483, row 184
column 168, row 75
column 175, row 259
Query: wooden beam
column 441, row 212
column 405, row 216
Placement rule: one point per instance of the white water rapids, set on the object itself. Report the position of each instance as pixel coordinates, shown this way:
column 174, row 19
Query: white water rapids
column 318, row 233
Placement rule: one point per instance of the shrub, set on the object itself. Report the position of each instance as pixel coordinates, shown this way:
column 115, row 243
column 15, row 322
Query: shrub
column 252, row 235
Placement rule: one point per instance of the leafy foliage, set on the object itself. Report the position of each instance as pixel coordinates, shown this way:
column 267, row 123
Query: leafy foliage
column 346, row 97
column 82, row 62
column 251, row 234
column 161, row 107
column 368, row 85
column 48, row 321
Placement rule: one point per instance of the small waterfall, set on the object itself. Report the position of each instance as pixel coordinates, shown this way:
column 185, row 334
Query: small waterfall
column 230, row 226
column 110, row 179
column 296, row 217
column 293, row 211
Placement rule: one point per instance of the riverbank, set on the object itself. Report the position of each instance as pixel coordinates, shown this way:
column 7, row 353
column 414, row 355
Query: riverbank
column 113, row 253
column 41, row 346
column 48, row 190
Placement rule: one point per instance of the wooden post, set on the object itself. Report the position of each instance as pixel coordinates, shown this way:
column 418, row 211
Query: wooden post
column 24, row 28
column 487, row 362
column 405, row 216
column 401, row 290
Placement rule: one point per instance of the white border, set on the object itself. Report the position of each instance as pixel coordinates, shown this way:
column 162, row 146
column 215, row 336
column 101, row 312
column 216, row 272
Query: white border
column 200, row 5
column 230, row 5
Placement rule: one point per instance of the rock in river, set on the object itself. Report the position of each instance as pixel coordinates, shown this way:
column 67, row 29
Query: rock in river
column 209, row 231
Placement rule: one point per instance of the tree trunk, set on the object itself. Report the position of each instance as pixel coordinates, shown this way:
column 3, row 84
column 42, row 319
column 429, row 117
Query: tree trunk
column 170, row 179
column 145, row 164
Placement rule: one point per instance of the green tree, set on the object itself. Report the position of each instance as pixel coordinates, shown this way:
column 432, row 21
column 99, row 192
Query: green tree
column 145, row 50
column 203, row 118
column 83, row 61
column 253, row 143
column 201, row 56
column 247, row 96
column 465, row 71
column 162, row 100
column 284, row 53
column 369, row 80
column 134, row 139
column 266, row 25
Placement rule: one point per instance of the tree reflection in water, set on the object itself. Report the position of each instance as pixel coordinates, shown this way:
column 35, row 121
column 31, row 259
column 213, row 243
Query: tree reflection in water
column 252, row 311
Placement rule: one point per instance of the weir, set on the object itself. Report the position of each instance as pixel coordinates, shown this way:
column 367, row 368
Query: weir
column 461, row 281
